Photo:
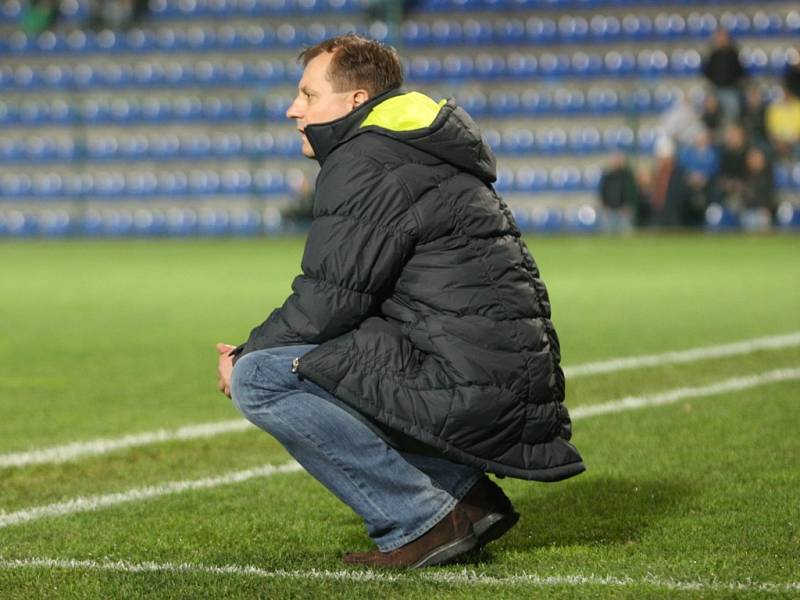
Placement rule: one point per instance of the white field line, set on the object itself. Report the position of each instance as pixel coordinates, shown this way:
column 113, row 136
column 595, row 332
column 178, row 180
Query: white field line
column 465, row 577
column 734, row 384
column 75, row 450
column 612, row 365
column 67, row 452
column 92, row 503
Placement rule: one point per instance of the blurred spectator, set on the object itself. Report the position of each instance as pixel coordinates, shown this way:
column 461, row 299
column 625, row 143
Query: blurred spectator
column 754, row 116
column 669, row 193
column 619, row 194
column 39, row 15
column 116, row 14
column 712, row 113
column 724, row 70
column 733, row 166
column 783, row 124
column 791, row 73
column 681, row 122
column 699, row 163
column 758, row 193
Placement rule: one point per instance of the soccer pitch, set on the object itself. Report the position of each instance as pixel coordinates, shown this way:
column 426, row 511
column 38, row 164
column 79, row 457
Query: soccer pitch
column 125, row 474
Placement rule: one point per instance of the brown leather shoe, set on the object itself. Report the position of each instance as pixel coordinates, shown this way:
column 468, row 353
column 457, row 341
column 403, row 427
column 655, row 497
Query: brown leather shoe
column 489, row 510
column 447, row 540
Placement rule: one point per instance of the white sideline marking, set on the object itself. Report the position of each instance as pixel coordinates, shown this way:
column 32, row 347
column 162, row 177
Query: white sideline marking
column 734, row 384
column 92, row 503
column 465, row 577
column 612, row 365
column 72, row 451
column 61, row 454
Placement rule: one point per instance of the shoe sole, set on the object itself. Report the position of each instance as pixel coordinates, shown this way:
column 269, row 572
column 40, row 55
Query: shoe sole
column 494, row 526
column 448, row 552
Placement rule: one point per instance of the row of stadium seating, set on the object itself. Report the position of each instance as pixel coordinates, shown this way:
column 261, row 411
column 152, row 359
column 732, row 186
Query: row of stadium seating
column 646, row 63
column 272, row 107
column 126, row 183
column 198, row 182
column 11, row 11
column 220, row 221
column 143, row 221
column 440, row 32
column 526, row 141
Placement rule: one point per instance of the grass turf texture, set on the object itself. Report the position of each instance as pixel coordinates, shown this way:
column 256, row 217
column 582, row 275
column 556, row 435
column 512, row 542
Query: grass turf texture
column 106, row 338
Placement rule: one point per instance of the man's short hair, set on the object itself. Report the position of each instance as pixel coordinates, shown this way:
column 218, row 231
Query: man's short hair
column 358, row 63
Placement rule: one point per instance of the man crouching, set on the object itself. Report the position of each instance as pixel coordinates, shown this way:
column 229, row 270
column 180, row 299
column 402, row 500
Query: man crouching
column 416, row 352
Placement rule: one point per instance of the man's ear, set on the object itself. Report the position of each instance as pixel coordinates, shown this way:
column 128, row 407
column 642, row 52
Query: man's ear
column 359, row 97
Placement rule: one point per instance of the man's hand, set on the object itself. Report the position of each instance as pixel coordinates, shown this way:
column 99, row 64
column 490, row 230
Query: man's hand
column 224, row 368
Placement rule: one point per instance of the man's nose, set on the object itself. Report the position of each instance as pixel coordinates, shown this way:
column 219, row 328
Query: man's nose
column 293, row 112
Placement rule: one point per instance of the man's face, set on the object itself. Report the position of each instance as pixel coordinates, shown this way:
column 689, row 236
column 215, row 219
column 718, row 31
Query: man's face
column 316, row 102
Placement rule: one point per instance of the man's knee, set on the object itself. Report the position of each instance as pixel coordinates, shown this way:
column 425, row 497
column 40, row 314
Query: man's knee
column 244, row 384
column 257, row 379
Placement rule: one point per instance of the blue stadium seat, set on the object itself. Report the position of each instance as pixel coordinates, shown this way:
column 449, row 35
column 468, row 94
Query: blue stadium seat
column 619, row 138
column 149, row 222
column 531, row 179
column 685, row 62
column 701, row 25
column 46, row 185
column 445, row 32
column 554, row 65
column 165, row 146
column 541, row 30
column 173, row 183
column 213, row 221
column 503, row 103
column 141, row 183
column 245, row 222
column 475, row 103
column 476, row 32
column 619, row 64
column 108, row 184
column 552, row 140
column 573, row 29
column 637, row 26
column 602, row 100
column 457, row 66
column 235, row 181
column 429, row 68
column 766, row 23
column 505, row 180
column 509, row 31
column 53, row 223
column 520, row 65
column 268, row 181
column 566, row 100
column 15, row 185
column 585, row 140
column 565, row 179
column 605, row 28
column 536, row 102
column 791, row 25
column 518, row 141
column 181, row 221
column 587, row 65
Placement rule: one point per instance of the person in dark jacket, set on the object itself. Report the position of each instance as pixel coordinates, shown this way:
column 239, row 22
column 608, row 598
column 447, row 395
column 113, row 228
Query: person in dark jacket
column 416, row 352
column 726, row 73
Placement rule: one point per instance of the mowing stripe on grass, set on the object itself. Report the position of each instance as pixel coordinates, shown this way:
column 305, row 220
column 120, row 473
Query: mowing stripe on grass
column 612, row 365
column 734, row 384
column 75, row 450
column 465, row 577
column 92, row 503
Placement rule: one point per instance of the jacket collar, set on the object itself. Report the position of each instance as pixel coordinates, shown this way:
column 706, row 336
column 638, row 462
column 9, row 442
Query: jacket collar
column 325, row 137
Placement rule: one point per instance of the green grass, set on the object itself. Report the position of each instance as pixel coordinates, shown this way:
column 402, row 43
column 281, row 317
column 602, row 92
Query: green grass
column 106, row 338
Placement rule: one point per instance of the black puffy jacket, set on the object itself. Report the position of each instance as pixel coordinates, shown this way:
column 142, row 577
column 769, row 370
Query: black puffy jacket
column 427, row 307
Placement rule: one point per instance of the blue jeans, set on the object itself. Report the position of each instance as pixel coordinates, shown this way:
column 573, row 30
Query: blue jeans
column 399, row 495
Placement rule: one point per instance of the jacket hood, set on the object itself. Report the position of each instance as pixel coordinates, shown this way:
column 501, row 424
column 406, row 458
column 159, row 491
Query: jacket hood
column 443, row 129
